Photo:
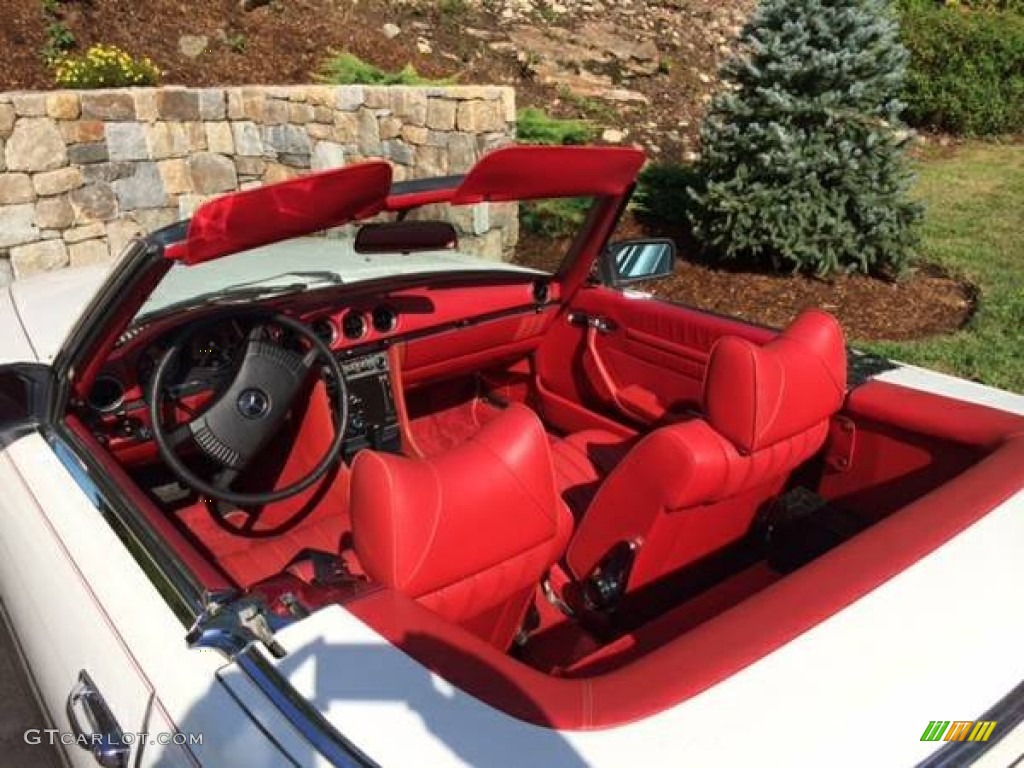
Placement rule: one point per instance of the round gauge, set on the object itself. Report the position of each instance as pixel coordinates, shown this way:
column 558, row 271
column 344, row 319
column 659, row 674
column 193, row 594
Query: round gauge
column 106, row 395
column 385, row 319
column 354, row 325
column 324, row 330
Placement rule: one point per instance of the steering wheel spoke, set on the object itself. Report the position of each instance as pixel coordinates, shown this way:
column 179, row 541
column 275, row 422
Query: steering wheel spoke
column 309, row 359
column 225, row 478
column 180, row 435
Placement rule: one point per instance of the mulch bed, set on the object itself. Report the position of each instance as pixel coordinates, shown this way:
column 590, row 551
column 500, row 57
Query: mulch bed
column 925, row 303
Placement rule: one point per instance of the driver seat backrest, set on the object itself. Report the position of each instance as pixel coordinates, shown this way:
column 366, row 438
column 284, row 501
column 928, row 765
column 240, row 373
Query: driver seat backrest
column 468, row 533
column 689, row 489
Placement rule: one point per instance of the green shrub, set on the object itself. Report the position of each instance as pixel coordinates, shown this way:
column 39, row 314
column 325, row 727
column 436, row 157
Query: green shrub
column 104, row 66
column 663, row 191
column 344, row 68
column 555, row 217
column 967, row 68
column 535, row 126
column 802, row 166
column 60, row 40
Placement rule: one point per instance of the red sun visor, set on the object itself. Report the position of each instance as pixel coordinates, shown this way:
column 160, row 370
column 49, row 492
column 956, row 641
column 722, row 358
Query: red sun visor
column 301, row 206
column 535, row 172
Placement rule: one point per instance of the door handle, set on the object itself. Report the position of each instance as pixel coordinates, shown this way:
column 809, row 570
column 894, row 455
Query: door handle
column 600, row 323
column 104, row 737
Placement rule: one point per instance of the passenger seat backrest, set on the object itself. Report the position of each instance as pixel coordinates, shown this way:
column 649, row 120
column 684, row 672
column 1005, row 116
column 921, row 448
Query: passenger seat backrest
column 689, row 489
column 758, row 396
column 468, row 533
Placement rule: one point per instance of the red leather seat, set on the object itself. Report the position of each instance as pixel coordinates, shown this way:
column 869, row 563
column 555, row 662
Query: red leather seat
column 581, row 462
column 687, row 490
column 469, row 533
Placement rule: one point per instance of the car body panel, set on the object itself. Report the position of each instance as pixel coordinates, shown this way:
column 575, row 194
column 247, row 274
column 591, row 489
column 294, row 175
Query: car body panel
column 871, row 693
column 15, row 346
column 49, row 304
column 102, row 609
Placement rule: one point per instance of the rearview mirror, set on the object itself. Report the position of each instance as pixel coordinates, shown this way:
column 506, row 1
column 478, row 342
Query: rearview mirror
column 406, row 237
column 634, row 260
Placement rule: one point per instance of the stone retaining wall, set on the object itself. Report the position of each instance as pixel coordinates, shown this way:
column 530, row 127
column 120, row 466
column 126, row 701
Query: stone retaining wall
column 82, row 172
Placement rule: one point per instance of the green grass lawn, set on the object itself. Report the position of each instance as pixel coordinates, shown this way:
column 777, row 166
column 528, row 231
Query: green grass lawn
column 974, row 226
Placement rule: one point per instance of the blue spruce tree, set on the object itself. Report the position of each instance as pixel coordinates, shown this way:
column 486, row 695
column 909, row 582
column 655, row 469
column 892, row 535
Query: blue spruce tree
column 802, row 165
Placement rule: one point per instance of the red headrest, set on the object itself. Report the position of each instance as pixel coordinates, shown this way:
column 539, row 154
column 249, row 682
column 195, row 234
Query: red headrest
column 421, row 525
column 756, row 396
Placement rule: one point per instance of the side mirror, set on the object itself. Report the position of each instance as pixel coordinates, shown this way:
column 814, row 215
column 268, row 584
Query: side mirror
column 406, row 237
column 634, row 260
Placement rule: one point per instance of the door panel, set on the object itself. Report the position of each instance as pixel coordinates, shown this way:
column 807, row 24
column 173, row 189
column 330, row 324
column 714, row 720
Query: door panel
column 60, row 624
column 654, row 353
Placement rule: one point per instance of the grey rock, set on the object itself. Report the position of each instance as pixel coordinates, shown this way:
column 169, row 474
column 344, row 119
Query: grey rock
column 178, row 104
column 84, row 154
column 391, row 30
column 212, row 104
column 35, row 145
column 39, row 257
column 126, row 141
column 462, row 152
column 193, row 46
column 6, row 273
column 54, row 213
column 287, row 139
column 212, row 173
column 144, row 189
column 107, row 172
column 108, row 105
column 327, row 154
column 88, row 252
column 349, row 98
column 17, row 224
column 399, row 151
column 16, row 188
column 247, row 139
column 95, row 202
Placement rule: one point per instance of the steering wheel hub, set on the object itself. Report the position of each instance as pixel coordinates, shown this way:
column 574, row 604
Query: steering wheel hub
column 253, row 403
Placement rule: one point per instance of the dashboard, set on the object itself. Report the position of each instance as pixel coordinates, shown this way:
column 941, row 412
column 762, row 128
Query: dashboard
column 437, row 327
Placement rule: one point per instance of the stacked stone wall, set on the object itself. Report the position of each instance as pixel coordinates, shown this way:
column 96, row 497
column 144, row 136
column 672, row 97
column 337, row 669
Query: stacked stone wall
column 83, row 172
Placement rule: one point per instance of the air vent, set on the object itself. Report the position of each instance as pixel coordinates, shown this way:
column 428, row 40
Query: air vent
column 385, row 319
column 325, row 331
column 541, row 291
column 107, row 394
column 354, row 326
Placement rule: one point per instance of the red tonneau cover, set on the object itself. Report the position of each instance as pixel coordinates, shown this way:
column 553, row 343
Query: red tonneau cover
column 243, row 220
column 277, row 212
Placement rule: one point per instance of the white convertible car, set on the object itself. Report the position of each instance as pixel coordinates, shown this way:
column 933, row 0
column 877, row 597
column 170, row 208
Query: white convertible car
column 303, row 482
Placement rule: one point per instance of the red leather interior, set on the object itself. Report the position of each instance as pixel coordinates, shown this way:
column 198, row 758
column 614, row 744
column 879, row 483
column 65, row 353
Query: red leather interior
column 686, row 490
column 582, row 460
column 314, row 519
column 468, row 533
column 654, row 355
column 758, row 396
column 699, row 658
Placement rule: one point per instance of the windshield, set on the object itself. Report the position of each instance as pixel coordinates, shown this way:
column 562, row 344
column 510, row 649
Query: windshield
column 528, row 238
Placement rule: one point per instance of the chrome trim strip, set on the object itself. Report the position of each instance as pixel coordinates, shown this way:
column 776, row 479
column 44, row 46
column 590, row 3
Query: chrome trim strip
column 168, row 574
column 305, row 718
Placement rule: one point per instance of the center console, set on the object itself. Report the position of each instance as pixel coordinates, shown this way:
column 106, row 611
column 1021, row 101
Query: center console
column 372, row 415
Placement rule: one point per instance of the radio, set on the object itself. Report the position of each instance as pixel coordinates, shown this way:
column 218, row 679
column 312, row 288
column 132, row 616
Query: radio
column 372, row 416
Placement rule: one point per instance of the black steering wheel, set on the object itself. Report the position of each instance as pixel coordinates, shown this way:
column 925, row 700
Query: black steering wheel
column 249, row 411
